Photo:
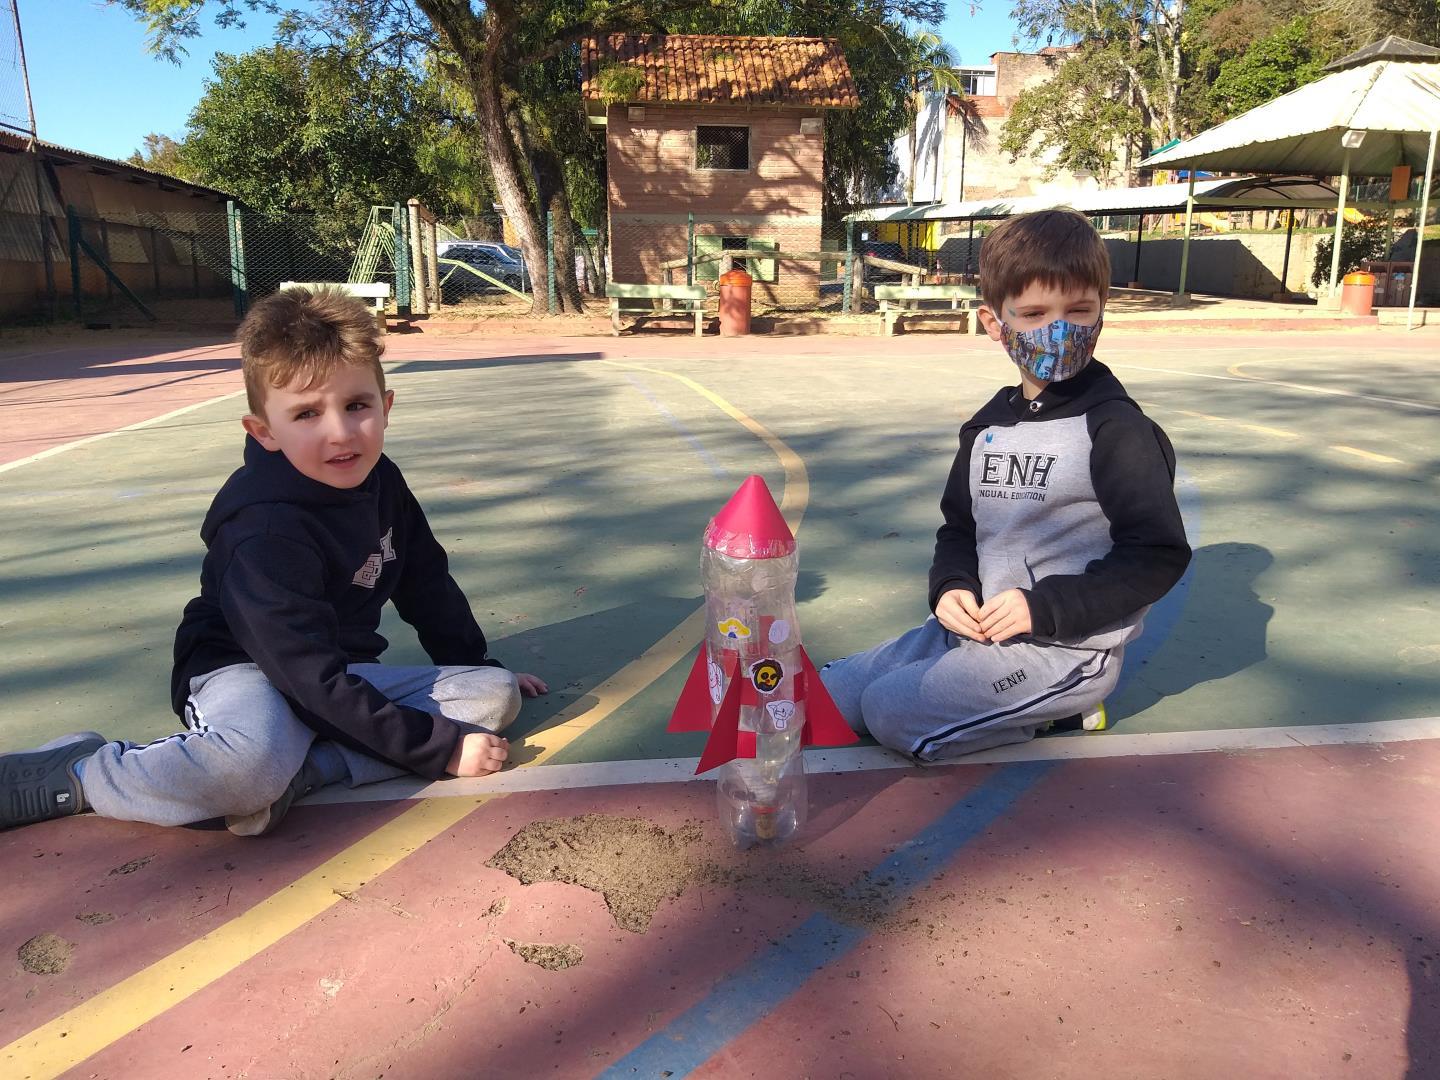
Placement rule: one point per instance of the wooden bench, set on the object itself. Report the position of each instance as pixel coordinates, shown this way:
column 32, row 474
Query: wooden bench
column 906, row 301
column 377, row 292
column 640, row 300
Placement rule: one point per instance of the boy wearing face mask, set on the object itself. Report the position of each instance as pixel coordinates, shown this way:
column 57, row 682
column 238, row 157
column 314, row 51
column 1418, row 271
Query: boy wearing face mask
column 1061, row 526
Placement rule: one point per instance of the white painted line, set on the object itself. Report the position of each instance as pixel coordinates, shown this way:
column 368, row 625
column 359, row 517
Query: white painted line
column 1368, row 455
column 63, row 447
column 1327, row 391
column 870, row 758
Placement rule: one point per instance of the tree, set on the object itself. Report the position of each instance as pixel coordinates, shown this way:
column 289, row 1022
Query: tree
column 489, row 48
column 928, row 65
column 1126, row 68
column 161, row 154
column 327, row 133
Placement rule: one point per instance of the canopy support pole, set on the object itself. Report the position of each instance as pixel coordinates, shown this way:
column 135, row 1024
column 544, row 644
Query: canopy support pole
column 1139, row 238
column 1185, row 247
column 1420, row 228
column 1340, row 224
column 1285, row 266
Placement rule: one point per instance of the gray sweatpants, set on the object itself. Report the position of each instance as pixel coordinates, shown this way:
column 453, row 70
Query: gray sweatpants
column 934, row 695
column 244, row 744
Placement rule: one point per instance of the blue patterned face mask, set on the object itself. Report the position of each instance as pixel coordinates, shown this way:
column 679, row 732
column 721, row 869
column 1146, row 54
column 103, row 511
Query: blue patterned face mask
column 1053, row 352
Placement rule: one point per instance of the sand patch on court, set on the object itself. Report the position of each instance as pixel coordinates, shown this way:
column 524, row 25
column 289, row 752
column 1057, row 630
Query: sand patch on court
column 46, row 954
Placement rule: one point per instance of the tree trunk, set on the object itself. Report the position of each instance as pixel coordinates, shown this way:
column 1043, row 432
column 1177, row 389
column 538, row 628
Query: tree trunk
column 914, row 123
column 480, row 43
column 550, row 188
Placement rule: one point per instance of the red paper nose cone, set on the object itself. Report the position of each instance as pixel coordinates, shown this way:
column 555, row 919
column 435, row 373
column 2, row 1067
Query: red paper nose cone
column 750, row 525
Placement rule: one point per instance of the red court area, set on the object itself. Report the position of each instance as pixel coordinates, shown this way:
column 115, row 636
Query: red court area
column 1255, row 913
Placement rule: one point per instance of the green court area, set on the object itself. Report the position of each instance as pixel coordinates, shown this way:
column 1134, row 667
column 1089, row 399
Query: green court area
column 571, row 479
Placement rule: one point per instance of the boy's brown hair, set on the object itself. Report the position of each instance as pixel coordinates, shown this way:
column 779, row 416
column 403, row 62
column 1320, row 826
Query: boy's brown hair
column 301, row 336
column 1059, row 247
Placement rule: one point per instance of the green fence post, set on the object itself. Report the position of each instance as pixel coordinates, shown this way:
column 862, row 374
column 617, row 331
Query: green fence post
column 550, row 259
column 848, row 301
column 72, row 222
column 400, row 222
column 239, row 278
column 690, row 248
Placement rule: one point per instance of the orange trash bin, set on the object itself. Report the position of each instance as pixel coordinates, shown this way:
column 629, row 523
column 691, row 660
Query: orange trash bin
column 735, row 303
column 1357, row 294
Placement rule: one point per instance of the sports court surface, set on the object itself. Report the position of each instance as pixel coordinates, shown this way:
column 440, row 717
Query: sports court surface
column 1240, row 878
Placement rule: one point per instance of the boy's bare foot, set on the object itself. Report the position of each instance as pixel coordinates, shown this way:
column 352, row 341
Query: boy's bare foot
column 478, row 753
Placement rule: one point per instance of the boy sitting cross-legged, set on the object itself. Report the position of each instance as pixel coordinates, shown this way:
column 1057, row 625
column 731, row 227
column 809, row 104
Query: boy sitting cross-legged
column 277, row 674
column 1061, row 526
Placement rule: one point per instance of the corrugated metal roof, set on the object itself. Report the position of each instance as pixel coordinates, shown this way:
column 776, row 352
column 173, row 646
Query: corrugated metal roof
column 65, row 154
column 1259, row 193
column 720, row 69
column 1396, row 103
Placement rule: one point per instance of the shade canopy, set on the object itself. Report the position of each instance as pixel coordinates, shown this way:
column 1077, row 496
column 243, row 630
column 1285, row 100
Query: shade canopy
column 1242, row 193
column 1390, row 91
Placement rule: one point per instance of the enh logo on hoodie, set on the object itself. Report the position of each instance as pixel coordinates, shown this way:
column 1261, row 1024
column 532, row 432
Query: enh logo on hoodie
column 370, row 573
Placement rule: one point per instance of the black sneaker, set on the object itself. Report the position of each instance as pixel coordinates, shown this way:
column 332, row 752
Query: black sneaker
column 37, row 785
column 264, row 821
column 1092, row 719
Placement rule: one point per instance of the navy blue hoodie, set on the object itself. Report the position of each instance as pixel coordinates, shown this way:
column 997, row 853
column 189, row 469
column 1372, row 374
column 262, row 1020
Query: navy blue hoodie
column 294, row 580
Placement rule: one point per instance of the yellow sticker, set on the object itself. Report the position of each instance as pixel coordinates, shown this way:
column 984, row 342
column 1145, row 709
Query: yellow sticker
column 734, row 629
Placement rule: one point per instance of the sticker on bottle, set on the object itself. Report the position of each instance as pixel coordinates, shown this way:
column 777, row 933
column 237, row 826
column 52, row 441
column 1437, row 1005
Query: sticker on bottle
column 766, row 675
column 781, row 713
column 779, row 631
column 733, row 629
column 717, row 682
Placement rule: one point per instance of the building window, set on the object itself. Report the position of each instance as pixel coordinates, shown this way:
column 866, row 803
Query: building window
column 722, row 148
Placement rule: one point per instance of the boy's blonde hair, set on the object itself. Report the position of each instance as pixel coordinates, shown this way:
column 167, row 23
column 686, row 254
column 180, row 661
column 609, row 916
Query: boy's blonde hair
column 1058, row 247
column 302, row 336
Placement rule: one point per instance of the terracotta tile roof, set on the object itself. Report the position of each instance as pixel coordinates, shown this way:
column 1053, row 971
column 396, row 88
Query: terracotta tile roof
column 721, row 69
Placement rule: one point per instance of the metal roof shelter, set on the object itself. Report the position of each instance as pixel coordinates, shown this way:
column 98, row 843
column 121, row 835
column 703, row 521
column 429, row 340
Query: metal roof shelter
column 1377, row 112
column 1235, row 193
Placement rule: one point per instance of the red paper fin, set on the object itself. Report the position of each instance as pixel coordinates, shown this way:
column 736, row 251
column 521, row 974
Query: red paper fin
column 745, row 744
column 723, row 744
column 824, row 726
column 692, row 709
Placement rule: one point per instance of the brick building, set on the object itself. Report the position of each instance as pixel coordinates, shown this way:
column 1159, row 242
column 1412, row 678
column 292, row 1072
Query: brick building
column 729, row 129
column 957, row 151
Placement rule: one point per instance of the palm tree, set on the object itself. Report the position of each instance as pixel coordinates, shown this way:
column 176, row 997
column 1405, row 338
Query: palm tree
column 929, row 66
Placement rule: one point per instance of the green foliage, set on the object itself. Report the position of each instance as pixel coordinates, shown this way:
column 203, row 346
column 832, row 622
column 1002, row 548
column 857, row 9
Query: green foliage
column 1078, row 129
column 289, row 130
column 1369, row 239
column 160, row 154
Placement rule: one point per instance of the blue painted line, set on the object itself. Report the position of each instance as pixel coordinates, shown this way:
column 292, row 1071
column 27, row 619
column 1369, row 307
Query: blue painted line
column 684, row 432
column 749, row 994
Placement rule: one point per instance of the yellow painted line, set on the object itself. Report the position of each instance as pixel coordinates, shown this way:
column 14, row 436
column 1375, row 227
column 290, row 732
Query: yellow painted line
column 1367, row 455
column 110, row 1015
column 88, row 1028
column 1261, row 429
column 608, row 696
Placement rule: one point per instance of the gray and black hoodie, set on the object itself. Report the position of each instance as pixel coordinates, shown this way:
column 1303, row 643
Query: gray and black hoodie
column 1069, row 498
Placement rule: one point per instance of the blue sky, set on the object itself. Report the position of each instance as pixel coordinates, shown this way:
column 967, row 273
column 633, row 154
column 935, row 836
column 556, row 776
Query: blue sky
column 96, row 88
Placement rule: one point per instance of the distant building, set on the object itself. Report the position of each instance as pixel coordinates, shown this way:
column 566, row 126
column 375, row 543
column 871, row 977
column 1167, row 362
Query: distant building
column 957, row 137
column 722, row 130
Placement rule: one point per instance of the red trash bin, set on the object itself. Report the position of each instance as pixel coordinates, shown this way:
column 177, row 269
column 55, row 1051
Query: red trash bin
column 1357, row 294
column 735, row 303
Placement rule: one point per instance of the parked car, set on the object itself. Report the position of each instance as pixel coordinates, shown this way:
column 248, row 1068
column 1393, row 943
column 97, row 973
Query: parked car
column 492, row 259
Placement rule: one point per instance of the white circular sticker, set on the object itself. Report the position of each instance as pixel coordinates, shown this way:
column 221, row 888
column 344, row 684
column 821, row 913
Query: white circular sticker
column 779, row 631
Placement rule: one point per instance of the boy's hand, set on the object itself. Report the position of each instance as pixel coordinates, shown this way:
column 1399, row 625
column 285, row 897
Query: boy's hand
column 478, row 753
column 1005, row 616
column 959, row 612
column 531, row 685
